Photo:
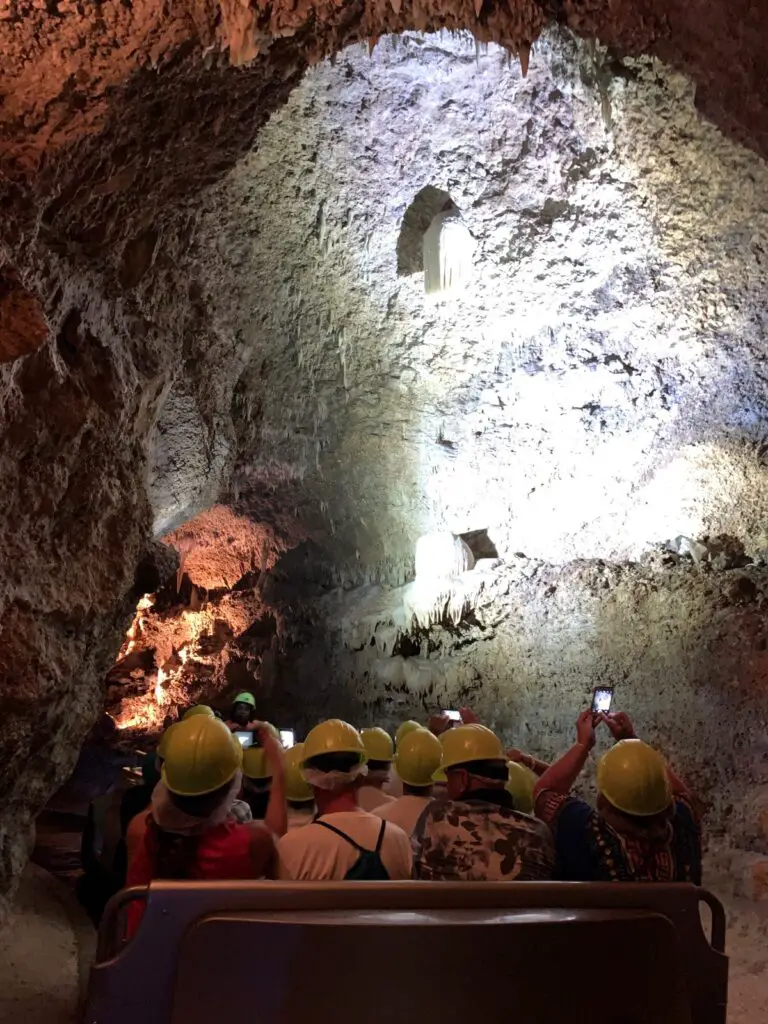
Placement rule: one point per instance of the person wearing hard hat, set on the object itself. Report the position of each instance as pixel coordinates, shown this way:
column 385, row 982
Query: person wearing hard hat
column 298, row 792
column 417, row 759
column 198, row 709
column 404, row 728
column 380, row 751
column 257, row 775
column 242, row 715
column 394, row 787
column 520, row 785
column 344, row 841
column 476, row 835
column 645, row 827
column 134, row 828
column 189, row 832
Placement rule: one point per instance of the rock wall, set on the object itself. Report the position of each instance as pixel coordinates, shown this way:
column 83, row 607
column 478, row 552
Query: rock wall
column 596, row 391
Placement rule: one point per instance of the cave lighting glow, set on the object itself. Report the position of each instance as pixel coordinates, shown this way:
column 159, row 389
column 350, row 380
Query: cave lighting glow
column 553, row 401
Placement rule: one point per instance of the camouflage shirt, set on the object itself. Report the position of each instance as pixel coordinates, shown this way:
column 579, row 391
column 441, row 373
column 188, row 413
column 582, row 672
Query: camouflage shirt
column 481, row 840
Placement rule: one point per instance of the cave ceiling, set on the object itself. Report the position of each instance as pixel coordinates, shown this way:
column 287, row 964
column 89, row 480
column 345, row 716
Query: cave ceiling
column 90, row 90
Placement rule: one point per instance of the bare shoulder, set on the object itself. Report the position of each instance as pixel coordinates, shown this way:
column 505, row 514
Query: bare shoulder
column 260, row 834
column 397, row 834
column 137, row 826
column 137, row 829
column 294, row 837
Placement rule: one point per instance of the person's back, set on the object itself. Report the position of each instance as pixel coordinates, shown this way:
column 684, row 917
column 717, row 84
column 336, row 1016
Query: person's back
column 404, row 812
column 318, row 854
column 599, row 847
column 418, row 757
column 343, row 841
column 370, row 798
column 645, row 827
column 481, row 840
column 189, row 833
column 476, row 835
column 219, row 852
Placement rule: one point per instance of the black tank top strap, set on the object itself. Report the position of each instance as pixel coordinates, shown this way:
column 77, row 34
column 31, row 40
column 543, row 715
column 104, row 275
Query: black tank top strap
column 343, row 835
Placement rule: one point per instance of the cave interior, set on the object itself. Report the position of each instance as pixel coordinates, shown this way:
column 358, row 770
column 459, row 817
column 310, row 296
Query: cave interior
column 247, row 442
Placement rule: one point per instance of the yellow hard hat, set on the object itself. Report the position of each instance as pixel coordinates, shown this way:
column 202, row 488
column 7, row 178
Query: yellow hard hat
column 520, row 785
column 164, row 741
column 255, row 760
column 198, row 709
column 404, row 728
column 201, row 755
column 439, row 777
column 334, row 737
column 468, row 743
column 633, row 777
column 296, row 788
column 418, row 757
column 255, row 764
column 378, row 744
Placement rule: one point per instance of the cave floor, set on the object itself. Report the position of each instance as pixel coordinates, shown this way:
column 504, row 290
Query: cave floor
column 46, row 948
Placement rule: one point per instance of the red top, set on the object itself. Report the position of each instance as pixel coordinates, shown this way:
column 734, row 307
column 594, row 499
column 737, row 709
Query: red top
column 223, row 852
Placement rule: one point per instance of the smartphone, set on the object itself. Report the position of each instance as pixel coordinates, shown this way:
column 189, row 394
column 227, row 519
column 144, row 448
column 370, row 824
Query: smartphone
column 453, row 715
column 245, row 738
column 601, row 699
column 287, row 738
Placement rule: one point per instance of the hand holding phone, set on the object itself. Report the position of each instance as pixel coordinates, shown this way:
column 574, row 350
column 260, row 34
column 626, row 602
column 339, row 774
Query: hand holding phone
column 455, row 716
column 601, row 699
column 287, row 738
column 620, row 725
column 585, row 729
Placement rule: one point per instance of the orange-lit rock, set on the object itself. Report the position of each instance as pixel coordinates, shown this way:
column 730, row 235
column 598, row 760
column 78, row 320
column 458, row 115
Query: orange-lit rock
column 219, row 547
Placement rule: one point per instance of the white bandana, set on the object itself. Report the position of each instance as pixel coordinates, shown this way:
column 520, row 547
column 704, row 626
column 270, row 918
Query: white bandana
column 333, row 780
column 169, row 818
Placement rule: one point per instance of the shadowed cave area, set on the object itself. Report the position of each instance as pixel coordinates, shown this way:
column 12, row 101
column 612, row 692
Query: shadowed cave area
column 243, row 447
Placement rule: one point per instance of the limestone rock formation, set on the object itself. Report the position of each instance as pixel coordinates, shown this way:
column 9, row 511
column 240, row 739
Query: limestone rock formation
column 186, row 317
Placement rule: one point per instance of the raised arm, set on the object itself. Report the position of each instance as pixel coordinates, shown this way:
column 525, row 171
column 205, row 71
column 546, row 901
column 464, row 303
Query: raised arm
column 528, row 761
column 561, row 775
column 276, row 816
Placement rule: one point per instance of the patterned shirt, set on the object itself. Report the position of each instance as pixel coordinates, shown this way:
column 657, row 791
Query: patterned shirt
column 482, row 839
column 589, row 849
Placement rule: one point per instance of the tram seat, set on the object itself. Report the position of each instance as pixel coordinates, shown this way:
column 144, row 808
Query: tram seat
column 384, row 953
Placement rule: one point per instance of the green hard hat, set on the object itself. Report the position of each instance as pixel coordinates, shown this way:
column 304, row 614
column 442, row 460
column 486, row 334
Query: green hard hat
column 245, row 698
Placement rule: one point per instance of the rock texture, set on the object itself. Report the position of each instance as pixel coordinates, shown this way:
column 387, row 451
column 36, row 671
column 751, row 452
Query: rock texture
column 186, row 318
column 597, row 389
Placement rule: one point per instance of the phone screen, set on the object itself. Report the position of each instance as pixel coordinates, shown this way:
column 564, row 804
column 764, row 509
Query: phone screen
column 287, row 738
column 601, row 698
column 453, row 715
column 245, row 738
